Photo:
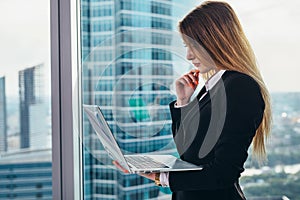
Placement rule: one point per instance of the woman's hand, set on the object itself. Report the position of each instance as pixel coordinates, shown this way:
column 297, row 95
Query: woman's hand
column 186, row 85
column 120, row 167
column 150, row 176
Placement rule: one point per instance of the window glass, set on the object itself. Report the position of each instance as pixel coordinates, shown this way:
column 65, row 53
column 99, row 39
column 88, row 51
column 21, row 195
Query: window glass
column 132, row 53
column 25, row 112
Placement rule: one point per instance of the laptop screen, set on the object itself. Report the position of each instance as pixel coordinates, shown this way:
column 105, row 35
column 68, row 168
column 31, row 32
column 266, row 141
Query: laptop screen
column 104, row 133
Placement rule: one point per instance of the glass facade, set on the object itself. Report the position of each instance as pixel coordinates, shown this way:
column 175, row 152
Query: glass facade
column 28, row 178
column 127, row 69
column 33, row 109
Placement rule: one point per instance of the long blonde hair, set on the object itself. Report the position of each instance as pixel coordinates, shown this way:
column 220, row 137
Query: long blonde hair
column 215, row 27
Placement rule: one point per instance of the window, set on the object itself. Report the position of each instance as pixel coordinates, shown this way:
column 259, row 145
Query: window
column 135, row 88
column 128, row 65
column 275, row 49
column 132, row 95
column 25, row 99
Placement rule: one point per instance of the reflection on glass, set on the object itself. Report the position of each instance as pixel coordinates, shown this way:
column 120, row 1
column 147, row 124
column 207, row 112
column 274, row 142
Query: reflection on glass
column 25, row 116
column 128, row 53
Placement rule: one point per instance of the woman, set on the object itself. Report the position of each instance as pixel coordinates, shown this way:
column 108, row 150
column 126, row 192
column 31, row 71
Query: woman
column 232, row 109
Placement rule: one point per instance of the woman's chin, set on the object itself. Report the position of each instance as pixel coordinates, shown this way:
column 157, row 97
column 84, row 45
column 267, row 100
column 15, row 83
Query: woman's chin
column 203, row 70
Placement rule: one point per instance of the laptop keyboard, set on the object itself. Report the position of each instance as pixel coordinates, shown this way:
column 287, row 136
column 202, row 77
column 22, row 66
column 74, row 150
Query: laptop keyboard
column 144, row 162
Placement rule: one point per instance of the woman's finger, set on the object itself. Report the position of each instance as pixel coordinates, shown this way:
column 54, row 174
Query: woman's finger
column 197, row 71
column 150, row 176
column 193, row 76
column 189, row 81
column 120, row 167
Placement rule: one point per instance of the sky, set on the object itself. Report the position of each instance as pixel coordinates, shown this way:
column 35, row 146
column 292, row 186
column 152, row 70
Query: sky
column 272, row 27
column 24, row 39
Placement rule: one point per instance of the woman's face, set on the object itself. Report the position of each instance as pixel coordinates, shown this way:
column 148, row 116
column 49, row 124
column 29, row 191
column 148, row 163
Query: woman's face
column 201, row 64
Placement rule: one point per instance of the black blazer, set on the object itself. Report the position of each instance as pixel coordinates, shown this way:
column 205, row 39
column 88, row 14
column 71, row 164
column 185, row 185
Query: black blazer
column 216, row 132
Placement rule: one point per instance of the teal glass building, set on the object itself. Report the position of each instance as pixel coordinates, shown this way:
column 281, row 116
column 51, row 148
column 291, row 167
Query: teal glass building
column 127, row 69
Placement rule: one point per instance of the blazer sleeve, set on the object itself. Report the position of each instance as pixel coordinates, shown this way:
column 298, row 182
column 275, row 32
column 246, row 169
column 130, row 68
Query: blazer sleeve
column 245, row 107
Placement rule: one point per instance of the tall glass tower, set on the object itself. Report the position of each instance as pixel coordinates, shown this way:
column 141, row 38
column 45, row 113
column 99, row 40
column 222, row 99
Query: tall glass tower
column 3, row 125
column 127, row 69
column 33, row 112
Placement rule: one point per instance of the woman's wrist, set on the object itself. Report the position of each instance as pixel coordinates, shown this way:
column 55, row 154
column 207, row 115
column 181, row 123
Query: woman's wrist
column 162, row 179
column 157, row 179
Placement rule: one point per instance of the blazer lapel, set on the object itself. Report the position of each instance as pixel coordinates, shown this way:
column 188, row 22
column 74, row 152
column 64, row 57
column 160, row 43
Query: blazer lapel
column 202, row 91
column 205, row 99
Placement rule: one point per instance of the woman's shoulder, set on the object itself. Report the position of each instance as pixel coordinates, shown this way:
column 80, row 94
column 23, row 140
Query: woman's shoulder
column 237, row 83
column 238, row 77
column 242, row 89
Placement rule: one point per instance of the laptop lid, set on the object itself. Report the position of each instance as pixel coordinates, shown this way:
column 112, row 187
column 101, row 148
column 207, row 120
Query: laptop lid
column 105, row 135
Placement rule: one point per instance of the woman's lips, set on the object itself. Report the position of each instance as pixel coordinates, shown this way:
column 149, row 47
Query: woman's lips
column 197, row 64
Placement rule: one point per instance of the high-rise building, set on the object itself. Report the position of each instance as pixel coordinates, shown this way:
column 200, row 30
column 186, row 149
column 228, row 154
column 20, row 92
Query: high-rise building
column 127, row 62
column 26, row 174
column 33, row 109
column 3, row 124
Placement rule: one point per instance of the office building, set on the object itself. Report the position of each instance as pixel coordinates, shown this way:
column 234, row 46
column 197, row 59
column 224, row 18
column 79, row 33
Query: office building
column 3, row 124
column 33, row 109
column 127, row 63
column 26, row 174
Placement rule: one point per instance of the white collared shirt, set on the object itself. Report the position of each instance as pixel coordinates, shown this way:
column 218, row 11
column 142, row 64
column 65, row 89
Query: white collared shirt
column 211, row 82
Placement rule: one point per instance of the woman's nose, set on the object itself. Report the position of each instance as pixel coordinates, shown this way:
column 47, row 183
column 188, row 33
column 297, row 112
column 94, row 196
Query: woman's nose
column 189, row 54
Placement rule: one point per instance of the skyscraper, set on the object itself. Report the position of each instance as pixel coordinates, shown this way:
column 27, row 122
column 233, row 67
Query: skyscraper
column 33, row 110
column 3, row 124
column 127, row 63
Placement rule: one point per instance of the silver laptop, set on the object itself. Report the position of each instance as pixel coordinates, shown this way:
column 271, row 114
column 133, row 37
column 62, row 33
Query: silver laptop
column 134, row 163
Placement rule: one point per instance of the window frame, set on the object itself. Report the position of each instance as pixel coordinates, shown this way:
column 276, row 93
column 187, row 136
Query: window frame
column 65, row 101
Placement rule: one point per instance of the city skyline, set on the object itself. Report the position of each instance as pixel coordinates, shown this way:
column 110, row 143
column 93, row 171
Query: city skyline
column 25, row 118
